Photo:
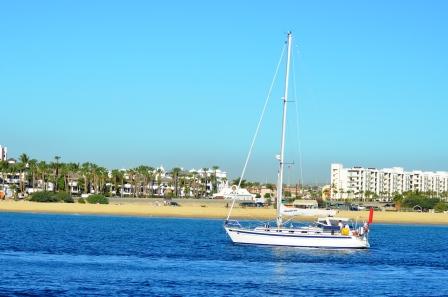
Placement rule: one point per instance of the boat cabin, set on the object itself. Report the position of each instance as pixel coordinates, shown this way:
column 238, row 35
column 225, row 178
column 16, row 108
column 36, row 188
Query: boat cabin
column 332, row 223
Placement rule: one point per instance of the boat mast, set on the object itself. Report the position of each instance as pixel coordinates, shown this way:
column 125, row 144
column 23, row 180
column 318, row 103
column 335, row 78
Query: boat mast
column 282, row 146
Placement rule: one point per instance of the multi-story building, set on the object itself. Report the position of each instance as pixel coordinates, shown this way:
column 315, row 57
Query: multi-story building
column 359, row 182
column 3, row 153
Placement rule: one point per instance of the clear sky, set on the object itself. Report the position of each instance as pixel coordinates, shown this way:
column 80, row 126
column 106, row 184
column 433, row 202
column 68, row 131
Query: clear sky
column 182, row 83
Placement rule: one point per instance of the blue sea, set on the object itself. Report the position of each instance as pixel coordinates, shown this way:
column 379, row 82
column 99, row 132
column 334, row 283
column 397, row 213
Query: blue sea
column 73, row 255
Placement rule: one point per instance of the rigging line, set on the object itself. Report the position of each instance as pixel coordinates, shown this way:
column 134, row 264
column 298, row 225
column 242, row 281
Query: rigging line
column 299, row 143
column 258, row 128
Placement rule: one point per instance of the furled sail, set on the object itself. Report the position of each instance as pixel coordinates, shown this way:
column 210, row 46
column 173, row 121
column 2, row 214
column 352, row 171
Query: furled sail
column 292, row 211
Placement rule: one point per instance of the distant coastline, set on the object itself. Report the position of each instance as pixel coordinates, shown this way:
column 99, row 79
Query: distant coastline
column 213, row 209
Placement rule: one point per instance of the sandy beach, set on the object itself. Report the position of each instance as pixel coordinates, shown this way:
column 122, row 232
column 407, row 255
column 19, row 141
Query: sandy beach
column 204, row 209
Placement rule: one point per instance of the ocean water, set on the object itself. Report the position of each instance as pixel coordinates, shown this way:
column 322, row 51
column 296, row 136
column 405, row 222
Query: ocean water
column 72, row 255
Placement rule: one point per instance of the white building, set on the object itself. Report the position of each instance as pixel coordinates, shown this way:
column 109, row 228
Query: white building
column 359, row 182
column 3, row 153
column 233, row 193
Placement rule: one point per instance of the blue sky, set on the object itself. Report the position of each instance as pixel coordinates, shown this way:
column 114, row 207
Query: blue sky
column 182, row 83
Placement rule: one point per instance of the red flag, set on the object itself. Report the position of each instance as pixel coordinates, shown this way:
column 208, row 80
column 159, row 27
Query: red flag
column 371, row 216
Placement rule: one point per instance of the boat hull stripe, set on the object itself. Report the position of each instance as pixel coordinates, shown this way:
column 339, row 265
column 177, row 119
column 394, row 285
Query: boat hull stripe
column 289, row 235
column 303, row 246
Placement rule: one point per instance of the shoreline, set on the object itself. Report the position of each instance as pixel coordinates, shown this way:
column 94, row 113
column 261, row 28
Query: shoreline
column 212, row 210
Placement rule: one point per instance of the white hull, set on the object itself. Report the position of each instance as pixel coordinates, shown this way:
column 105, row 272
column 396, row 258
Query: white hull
column 289, row 237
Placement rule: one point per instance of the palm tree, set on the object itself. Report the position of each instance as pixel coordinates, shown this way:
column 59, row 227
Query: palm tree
column 151, row 176
column 193, row 182
column 103, row 176
column 56, row 166
column 341, row 193
column 133, row 180
column 24, row 166
column 159, row 179
column 145, row 173
column 117, row 178
column 13, row 188
column 205, row 179
column 42, row 169
column 86, row 174
column 13, row 169
column 3, row 169
column 175, row 173
column 63, row 176
column 72, row 173
column 244, row 183
column 184, row 184
column 33, row 168
column 215, row 180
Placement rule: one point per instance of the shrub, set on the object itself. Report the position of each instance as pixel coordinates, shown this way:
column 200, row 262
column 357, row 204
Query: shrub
column 64, row 196
column 44, row 197
column 51, row 197
column 97, row 199
column 81, row 200
column 441, row 206
column 423, row 201
column 69, row 199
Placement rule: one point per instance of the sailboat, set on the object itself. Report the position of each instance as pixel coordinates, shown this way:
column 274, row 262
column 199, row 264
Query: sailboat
column 326, row 232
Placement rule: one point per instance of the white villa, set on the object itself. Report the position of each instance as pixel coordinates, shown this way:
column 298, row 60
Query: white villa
column 158, row 182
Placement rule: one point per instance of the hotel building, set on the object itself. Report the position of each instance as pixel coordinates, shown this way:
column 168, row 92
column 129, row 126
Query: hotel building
column 383, row 184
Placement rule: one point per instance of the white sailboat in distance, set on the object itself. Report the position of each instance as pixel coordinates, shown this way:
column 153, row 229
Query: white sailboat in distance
column 326, row 232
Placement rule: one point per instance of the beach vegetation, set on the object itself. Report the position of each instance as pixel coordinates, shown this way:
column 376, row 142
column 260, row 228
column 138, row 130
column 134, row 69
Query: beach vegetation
column 46, row 196
column 97, row 199
column 441, row 206
column 82, row 200
column 65, row 197
column 412, row 199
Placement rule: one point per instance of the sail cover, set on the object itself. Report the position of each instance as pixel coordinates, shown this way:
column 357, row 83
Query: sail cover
column 292, row 211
